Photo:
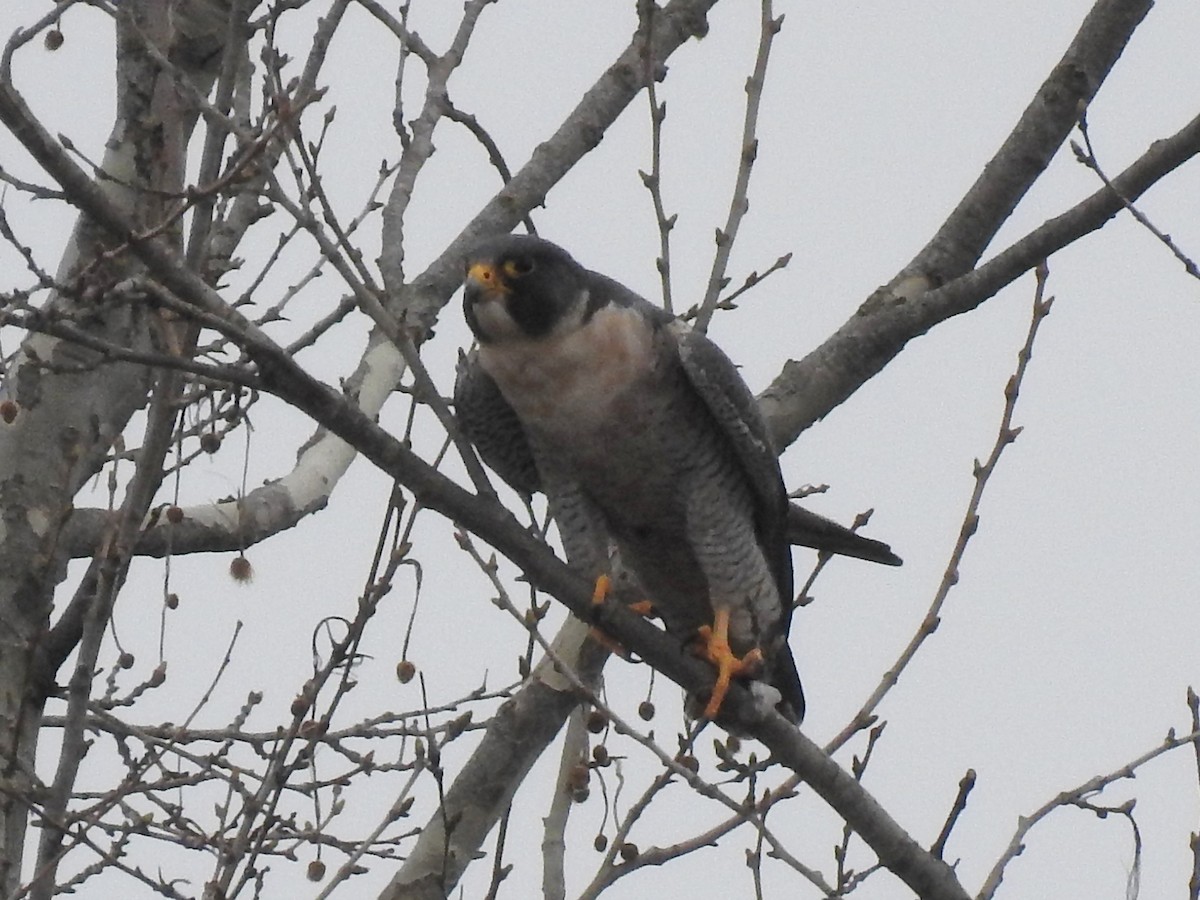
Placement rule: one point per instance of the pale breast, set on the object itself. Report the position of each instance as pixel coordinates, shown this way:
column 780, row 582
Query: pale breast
column 564, row 383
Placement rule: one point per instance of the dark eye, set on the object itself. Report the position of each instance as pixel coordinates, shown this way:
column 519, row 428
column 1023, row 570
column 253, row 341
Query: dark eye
column 518, row 266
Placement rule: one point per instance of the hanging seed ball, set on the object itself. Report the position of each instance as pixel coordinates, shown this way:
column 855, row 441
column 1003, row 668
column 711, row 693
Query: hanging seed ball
column 172, row 601
column 600, row 843
column 125, row 660
column 629, row 851
column 600, row 755
column 315, row 871
column 299, row 705
column 646, row 710
column 596, row 721
column 210, row 442
column 240, row 570
column 405, row 671
column 581, row 795
column 577, row 778
column 174, row 515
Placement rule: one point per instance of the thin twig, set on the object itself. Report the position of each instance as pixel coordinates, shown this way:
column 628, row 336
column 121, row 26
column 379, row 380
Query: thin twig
column 1006, row 434
column 1077, row 796
column 214, row 139
column 647, row 10
column 418, row 148
column 1194, row 839
column 739, row 204
column 398, row 808
column 1088, row 158
column 495, row 156
column 965, row 785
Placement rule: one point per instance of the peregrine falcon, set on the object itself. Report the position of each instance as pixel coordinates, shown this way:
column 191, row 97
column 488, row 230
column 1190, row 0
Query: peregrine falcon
column 642, row 434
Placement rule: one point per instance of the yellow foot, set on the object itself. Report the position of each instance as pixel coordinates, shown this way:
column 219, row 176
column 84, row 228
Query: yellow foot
column 643, row 608
column 600, row 591
column 713, row 645
column 599, row 595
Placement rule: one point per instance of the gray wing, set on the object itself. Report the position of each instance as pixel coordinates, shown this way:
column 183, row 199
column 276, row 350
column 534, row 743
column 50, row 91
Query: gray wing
column 719, row 384
column 492, row 426
column 735, row 412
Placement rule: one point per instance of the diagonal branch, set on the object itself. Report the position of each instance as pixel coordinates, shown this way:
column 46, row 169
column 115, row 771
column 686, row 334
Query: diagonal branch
column 806, row 391
column 284, row 502
column 577, row 136
column 1006, row 434
column 1027, row 151
column 282, row 376
column 739, row 204
column 860, row 349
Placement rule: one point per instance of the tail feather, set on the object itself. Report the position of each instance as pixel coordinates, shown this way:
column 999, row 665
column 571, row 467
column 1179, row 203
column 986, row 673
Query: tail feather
column 786, row 679
column 807, row 529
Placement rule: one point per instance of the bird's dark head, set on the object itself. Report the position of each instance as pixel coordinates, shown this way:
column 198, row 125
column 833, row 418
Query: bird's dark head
column 520, row 287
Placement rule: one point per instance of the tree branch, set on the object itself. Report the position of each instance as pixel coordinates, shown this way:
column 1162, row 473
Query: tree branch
column 806, row 391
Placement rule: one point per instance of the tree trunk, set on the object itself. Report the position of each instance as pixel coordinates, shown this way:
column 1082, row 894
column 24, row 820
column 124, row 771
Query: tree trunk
column 70, row 403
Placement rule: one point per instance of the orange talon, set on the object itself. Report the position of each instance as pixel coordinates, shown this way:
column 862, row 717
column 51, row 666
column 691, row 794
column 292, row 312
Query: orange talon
column 714, row 647
column 600, row 591
column 599, row 595
column 643, row 608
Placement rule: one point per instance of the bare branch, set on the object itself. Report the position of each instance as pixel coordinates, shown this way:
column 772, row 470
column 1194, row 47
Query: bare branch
column 965, row 786
column 911, row 303
column 113, row 565
column 554, row 826
column 1088, row 158
column 579, row 133
column 1076, row 796
column 653, row 179
column 970, row 524
column 740, row 203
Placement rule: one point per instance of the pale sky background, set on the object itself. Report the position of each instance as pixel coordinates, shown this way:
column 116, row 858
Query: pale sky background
column 1067, row 647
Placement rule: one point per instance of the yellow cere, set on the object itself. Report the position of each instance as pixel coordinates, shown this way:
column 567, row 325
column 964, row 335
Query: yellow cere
column 485, row 274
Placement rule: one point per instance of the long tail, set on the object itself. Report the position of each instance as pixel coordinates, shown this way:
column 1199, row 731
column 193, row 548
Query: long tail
column 786, row 680
column 807, row 529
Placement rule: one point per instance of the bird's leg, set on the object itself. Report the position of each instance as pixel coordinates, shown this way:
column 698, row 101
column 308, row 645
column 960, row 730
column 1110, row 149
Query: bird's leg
column 713, row 645
column 601, row 589
column 599, row 594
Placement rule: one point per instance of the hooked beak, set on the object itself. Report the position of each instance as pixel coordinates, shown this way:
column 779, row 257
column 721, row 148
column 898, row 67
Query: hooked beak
column 484, row 283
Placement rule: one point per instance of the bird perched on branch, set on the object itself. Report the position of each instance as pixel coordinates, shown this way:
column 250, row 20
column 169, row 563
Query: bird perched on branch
column 642, row 434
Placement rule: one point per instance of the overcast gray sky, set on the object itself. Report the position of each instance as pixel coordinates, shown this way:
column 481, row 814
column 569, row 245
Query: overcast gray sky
column 1067, row 647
